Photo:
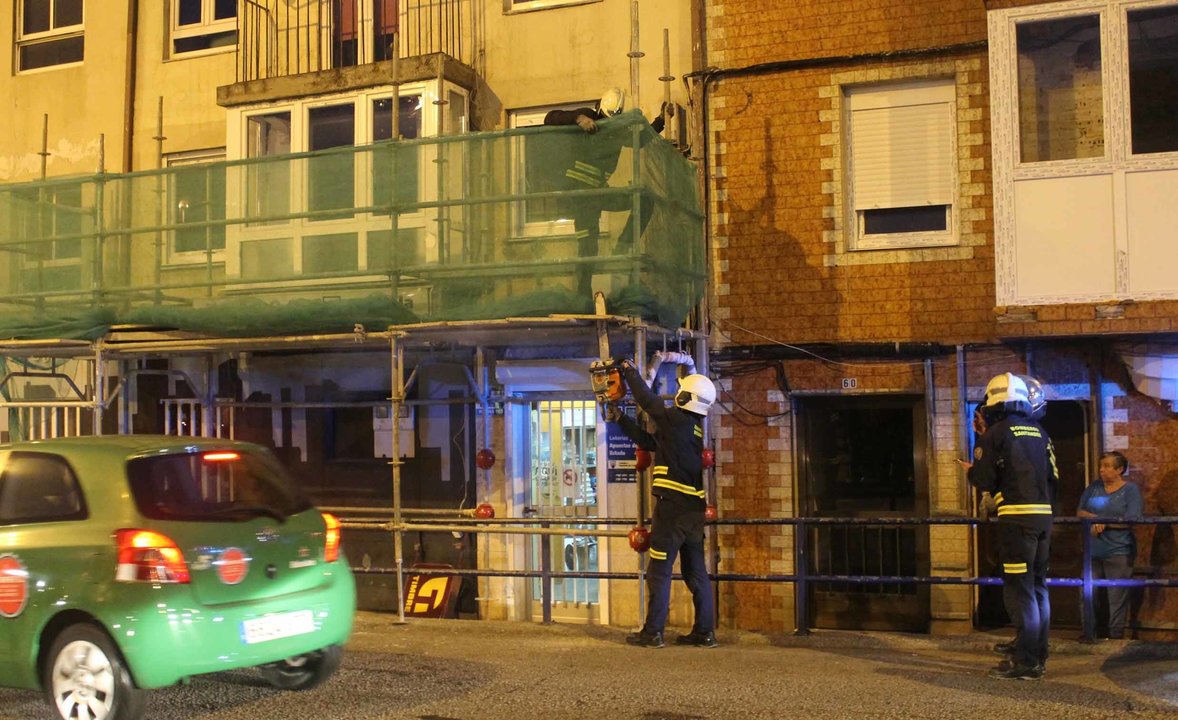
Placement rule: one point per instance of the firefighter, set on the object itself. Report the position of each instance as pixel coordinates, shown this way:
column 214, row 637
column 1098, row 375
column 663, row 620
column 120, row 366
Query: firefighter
column 1014, row 461
column 589, row 167
column 678, row 488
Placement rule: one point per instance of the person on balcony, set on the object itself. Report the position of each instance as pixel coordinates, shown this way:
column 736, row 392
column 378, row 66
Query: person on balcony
column 588, row 166
column 1015, row 462
column 678, row 519
column 1114, row 547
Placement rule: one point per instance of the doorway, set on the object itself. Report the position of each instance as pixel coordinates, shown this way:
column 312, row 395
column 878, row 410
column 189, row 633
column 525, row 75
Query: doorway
column 864, row 457
column 563, row 483
column 1066, row 423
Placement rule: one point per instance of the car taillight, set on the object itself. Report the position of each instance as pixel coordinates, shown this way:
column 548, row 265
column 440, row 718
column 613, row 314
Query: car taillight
column 146, row 556
column 331, row 546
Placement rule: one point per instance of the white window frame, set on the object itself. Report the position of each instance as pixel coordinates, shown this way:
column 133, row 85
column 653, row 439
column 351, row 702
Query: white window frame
column 53, row 260
column 511, row 7
column 1117, row 164
column 53, row 33
column 936, row 96
column 534, row 117
column 295, row 230
column 181, row 159
column 208, row 25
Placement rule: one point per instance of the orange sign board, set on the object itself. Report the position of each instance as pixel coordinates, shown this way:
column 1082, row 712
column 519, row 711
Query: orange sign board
column 431, row 595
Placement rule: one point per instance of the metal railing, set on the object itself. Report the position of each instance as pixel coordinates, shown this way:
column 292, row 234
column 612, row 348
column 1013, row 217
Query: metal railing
column 277, row 38
column 802, row 577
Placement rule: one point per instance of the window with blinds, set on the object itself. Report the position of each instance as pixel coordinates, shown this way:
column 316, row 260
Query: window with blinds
column 902, row 166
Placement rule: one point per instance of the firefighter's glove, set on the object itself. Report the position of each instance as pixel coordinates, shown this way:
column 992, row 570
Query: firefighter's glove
column 611, row 413
column 587, row 124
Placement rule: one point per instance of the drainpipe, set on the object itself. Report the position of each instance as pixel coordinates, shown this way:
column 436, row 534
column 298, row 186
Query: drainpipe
column 129, row 83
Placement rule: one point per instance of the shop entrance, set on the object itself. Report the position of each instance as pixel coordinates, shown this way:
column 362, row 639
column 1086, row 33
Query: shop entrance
column 563, row 470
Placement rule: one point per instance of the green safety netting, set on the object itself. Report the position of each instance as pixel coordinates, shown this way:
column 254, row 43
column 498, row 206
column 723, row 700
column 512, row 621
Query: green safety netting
column 476, row 226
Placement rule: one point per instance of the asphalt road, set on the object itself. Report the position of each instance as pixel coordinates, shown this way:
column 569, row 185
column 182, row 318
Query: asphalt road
column 463, row 670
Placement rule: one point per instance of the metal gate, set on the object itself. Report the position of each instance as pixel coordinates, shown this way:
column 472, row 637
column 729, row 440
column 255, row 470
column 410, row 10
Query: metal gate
column 186, row 417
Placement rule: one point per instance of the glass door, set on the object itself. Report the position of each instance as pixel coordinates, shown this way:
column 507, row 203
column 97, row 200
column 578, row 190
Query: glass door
column 563, row 483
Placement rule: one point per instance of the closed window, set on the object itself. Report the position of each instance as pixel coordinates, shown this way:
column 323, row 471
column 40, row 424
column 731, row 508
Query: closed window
column 49, row 32
column 535, row 165
column 52, row 220
column 1153, row 79
column 363, row 31
column 197, row 202
column 37, row 487
column 510, row 6
column 902, row 165
column 203, row 25
column 1060, row 97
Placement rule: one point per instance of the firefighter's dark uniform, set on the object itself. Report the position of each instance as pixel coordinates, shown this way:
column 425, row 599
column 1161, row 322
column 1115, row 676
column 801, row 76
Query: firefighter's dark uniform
column 1014, row 461
column 678, row 518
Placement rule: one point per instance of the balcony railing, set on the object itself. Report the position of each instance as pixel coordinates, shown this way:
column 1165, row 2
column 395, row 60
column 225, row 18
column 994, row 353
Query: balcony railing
column 464, row 227
column 291, row 37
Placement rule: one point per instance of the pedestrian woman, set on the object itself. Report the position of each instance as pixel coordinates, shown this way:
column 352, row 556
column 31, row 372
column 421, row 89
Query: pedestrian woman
column 1114, row 547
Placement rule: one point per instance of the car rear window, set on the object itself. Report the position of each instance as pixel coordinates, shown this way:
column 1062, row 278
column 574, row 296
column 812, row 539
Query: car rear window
column 214, row 486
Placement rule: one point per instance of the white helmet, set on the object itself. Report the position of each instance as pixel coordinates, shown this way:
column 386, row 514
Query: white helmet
column 1035, row 395
column 1008, row 393
column 612, row 102
column 696, row 394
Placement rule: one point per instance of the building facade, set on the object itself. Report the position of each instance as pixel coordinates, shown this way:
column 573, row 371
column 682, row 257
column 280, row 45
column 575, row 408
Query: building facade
column 331, row 227
column 315, row 225
column 905, row 200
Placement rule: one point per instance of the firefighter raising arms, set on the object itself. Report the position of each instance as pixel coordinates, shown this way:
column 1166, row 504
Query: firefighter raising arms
column 678, row 518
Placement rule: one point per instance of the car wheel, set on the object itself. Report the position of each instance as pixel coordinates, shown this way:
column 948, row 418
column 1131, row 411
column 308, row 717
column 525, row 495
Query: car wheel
column 85, row 677
column 303, row 672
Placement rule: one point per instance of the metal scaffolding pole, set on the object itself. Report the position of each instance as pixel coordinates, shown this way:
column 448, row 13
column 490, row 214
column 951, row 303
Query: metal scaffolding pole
column 397, row 397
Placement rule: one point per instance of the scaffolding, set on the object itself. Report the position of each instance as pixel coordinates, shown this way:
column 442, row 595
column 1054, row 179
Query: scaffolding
column 475, row 226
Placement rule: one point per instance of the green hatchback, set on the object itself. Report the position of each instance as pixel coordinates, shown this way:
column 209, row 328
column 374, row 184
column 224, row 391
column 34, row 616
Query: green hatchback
column 135, row 562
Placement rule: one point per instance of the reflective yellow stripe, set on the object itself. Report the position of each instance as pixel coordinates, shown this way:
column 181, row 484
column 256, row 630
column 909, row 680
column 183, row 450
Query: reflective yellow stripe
column 659, row 469
column 588, row 169
column 657, row 554
column 677, row 487
column 1024, row 510
column 998, row 498
column 1014, row 568
column 699, row 432
column 582, row 178
column 586, row 173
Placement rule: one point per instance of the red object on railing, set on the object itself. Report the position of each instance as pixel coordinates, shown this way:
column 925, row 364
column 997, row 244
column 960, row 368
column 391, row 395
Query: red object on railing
column 639, row 538
column 484, row 511
column 710, row 513
column 709, row 457
column 485, row 459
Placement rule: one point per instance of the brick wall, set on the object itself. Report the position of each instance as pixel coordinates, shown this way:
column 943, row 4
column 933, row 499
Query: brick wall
column 744, row 32
column 782, row 273
column 782, row 267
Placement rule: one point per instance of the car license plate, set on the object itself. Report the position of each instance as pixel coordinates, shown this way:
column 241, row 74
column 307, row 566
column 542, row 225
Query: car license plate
column 273, row 627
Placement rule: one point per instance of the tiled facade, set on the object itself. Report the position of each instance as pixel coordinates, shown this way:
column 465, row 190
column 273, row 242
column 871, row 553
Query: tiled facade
column 783, row 274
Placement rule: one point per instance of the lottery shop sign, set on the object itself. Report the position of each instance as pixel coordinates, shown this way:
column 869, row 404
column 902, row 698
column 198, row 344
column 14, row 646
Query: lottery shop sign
column 14, row 586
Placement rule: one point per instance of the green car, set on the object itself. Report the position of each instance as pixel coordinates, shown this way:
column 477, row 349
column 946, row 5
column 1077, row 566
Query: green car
column 135, row 562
